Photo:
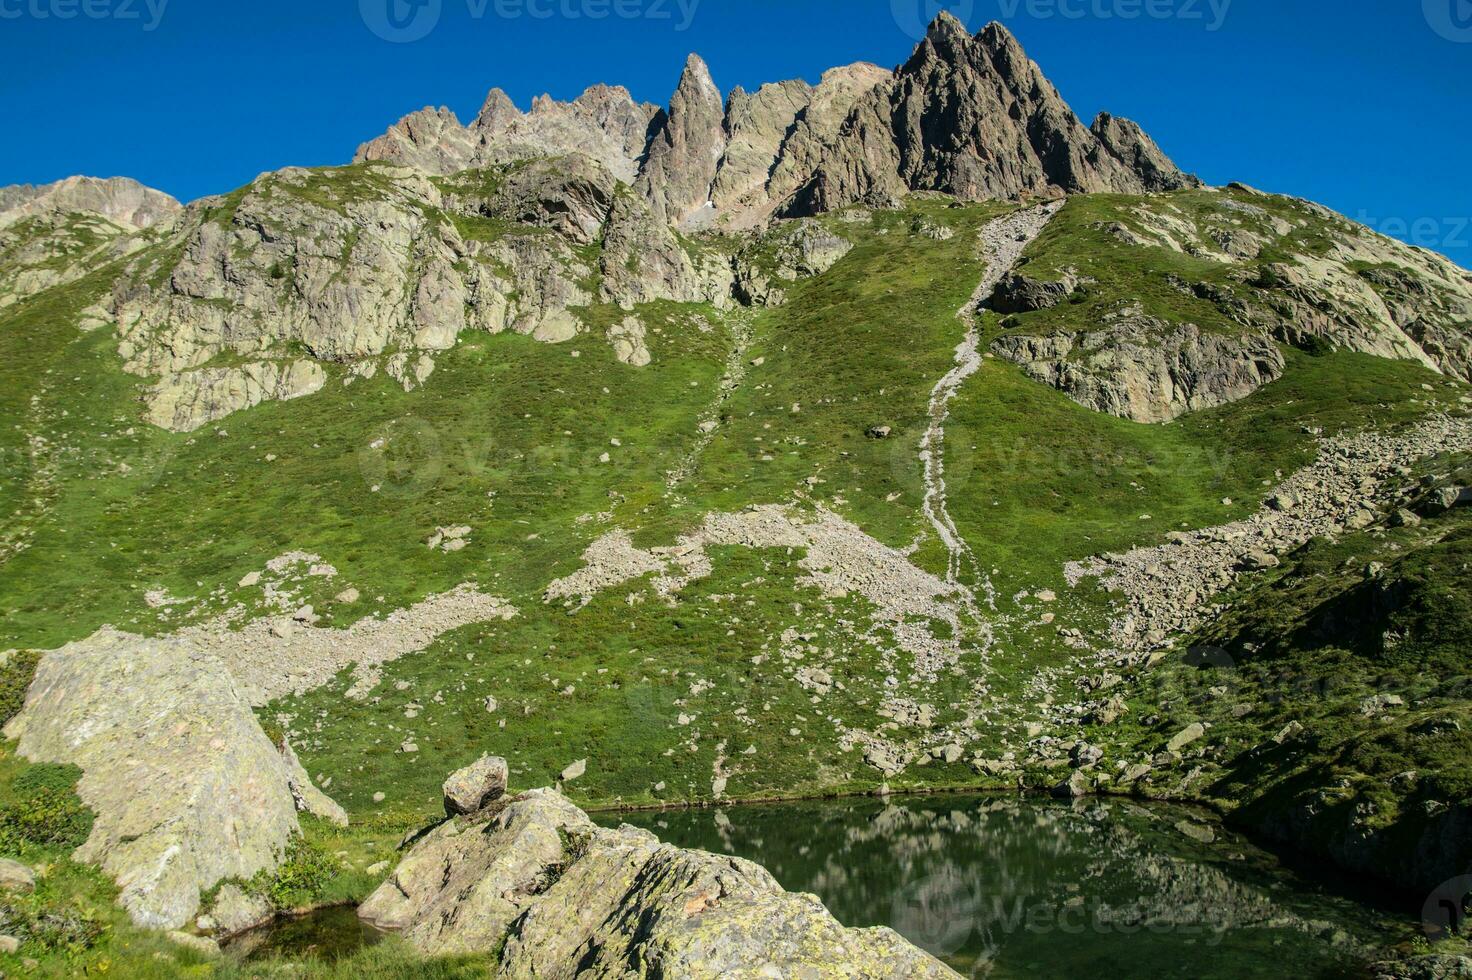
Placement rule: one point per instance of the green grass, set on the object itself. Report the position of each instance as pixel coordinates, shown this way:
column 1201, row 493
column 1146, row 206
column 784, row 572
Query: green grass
column 507, row 438
column 1308, row 647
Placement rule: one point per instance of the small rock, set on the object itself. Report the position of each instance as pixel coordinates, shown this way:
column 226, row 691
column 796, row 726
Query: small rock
column 200, row 944
column 1136, row 772
column 1074, row 787
column 379, row 868
column 575, row 771
column 1191, row 733
column 1196, row 831
column 16, row 877
column 1282, row 502
column 1381, row 703
column 348, row 597
column 253, row 579
column 9, row 945
column 1291, row 730
column 1085, row 755
column 1258, row 561
column 880, row 432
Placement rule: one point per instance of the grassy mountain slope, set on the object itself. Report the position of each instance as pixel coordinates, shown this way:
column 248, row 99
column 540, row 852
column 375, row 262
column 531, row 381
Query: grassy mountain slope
column 542, row 449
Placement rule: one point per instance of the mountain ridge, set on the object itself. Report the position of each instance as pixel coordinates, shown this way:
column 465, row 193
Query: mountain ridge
column 1007, row 132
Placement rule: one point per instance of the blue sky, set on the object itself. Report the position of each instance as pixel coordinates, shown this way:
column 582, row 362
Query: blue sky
column 1360, row 104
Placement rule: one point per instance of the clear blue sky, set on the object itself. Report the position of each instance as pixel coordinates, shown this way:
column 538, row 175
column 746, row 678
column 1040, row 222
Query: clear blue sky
column 1360, row 104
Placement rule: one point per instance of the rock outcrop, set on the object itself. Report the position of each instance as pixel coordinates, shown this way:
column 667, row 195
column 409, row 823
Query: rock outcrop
column 536, row 880
column 604, row 123
column 1143, row 369
column 186, row 401
column 209, row 798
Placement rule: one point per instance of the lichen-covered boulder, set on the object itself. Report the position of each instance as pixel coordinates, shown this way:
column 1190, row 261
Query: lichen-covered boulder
column 187, row 788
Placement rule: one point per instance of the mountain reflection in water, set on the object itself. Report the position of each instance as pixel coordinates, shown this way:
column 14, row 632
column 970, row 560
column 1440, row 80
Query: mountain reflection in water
column 1034, row 888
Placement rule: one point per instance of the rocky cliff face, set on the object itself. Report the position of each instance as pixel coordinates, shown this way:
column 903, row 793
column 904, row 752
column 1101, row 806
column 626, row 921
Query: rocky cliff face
column 536, row 880
column 973, row 117
column 120, row 200
column 604, row 123
column 1146, row 370
column 379, row 268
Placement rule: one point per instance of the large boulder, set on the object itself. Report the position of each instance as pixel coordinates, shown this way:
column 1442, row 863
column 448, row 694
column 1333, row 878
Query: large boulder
column 1017, row 293
column 476, row 786
column 187, row 789
column 560, row 897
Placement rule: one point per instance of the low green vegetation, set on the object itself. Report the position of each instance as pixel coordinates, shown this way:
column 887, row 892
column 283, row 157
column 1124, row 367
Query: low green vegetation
column 542, row 449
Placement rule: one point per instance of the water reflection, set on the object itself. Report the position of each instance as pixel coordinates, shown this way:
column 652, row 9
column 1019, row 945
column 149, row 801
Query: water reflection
column 1031, row 888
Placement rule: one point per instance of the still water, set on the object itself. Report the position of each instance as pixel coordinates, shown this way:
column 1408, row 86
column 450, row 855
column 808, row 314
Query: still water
column 1012, row 888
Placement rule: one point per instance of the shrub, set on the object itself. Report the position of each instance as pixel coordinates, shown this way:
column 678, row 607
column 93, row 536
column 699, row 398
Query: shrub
column 54, row 929
column 44, row 810
column 16, row 673
column 302, row 876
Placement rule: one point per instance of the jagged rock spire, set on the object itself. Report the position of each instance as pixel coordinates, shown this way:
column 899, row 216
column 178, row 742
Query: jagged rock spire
column 685, row 151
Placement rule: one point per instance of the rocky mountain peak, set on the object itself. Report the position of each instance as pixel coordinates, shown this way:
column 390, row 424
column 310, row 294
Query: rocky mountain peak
column 496, row 113
column 686, row 146
column 123, row 201
column 973, row 116
column 946, row 26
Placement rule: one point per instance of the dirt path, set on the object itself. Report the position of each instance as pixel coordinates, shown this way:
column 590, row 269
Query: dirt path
column 1001, row 244
column 710, row 421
